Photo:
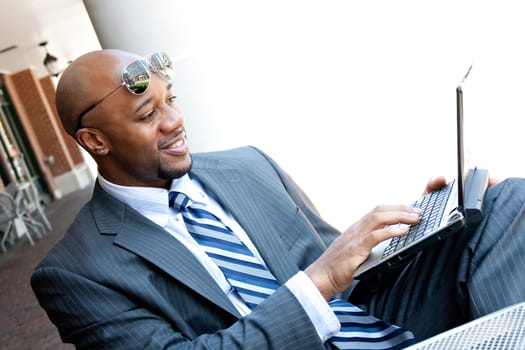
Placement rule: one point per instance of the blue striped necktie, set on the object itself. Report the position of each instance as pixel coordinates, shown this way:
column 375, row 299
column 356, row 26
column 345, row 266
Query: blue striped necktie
column 252, row 280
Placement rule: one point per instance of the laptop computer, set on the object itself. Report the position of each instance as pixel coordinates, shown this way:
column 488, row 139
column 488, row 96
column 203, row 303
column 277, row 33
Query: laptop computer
column 445, row 212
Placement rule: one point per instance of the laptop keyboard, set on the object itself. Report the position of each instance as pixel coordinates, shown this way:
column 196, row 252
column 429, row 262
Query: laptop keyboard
column 433, row 206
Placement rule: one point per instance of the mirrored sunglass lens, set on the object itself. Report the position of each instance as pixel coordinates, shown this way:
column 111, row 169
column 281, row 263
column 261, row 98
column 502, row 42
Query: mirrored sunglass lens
column 162, row 64
column 136, row 77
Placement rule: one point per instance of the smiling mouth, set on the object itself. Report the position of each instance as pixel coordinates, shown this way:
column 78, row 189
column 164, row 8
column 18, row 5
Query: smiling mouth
column 178, row 143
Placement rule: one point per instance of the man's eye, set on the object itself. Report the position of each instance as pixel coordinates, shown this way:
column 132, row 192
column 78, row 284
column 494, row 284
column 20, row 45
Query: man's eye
column 149, row 115
column 171, row 99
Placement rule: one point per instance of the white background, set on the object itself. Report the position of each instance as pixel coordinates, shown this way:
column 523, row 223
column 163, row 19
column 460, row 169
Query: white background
column 355, row 99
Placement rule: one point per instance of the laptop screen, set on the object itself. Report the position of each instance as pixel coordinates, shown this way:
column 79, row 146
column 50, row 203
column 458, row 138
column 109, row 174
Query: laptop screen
column 460, row 151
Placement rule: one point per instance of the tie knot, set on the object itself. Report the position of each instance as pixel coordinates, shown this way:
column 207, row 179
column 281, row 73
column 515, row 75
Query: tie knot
column 178, row 200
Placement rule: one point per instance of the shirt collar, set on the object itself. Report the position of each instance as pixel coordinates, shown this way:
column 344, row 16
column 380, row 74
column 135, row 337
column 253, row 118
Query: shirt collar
column 152, row 202
column 190, row 188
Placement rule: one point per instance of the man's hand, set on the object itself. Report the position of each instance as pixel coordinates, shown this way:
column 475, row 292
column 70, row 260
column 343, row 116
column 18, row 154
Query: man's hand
column 434, row 184
column 333, row 271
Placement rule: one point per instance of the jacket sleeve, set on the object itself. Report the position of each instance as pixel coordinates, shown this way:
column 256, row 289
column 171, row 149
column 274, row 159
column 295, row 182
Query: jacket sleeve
column 93, row 316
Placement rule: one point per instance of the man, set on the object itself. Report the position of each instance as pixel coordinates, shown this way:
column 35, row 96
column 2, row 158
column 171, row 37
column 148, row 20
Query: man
column 129, row 274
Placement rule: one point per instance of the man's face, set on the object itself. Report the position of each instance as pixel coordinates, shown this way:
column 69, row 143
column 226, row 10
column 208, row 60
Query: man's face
column 146, row 136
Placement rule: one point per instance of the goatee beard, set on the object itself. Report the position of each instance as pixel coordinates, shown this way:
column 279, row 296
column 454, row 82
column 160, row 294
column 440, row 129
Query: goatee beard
column 170, row 174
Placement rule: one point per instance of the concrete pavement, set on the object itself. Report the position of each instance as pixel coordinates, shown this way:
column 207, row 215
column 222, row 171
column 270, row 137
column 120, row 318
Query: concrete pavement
column 23, row 323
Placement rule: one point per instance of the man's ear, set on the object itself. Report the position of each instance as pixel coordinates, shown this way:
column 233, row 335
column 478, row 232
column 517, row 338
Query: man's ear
column 93, row 140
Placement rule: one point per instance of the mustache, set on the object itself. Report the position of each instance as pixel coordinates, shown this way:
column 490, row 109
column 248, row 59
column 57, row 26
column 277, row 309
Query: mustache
column 176, row 134
column 179, row 131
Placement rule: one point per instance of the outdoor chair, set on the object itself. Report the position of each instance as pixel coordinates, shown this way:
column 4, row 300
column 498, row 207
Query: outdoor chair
column 31, row 204
column 12, row 221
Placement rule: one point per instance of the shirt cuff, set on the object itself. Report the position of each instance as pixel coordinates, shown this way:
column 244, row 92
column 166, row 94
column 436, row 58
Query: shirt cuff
column 315, row 306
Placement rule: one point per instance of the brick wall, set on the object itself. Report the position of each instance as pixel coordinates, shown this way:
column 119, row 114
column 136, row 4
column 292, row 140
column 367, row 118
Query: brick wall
column 28, row 100
column 57, row 155
column 71, row 145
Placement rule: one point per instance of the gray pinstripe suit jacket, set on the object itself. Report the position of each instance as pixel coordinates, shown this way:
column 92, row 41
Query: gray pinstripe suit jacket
column 117, row 280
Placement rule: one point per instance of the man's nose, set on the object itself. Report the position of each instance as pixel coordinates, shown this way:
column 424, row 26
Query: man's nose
column 172, row 118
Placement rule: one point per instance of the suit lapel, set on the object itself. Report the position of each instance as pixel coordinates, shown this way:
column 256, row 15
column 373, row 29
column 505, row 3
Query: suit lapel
column 148, row 240
column 239, row 195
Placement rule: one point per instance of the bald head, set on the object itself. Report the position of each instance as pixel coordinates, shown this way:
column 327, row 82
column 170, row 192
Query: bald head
column 88, row 79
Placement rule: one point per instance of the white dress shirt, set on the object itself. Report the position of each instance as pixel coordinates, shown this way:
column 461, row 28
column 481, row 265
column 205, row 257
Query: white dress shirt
column 152, row 202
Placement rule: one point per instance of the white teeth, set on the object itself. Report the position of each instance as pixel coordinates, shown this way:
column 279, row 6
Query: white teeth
column 178, row 143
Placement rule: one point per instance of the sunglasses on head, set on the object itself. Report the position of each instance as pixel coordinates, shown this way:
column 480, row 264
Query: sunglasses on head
column 136, row 77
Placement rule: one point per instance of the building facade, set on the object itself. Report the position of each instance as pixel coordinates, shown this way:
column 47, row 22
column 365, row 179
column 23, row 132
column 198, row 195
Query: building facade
column 33, row 145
